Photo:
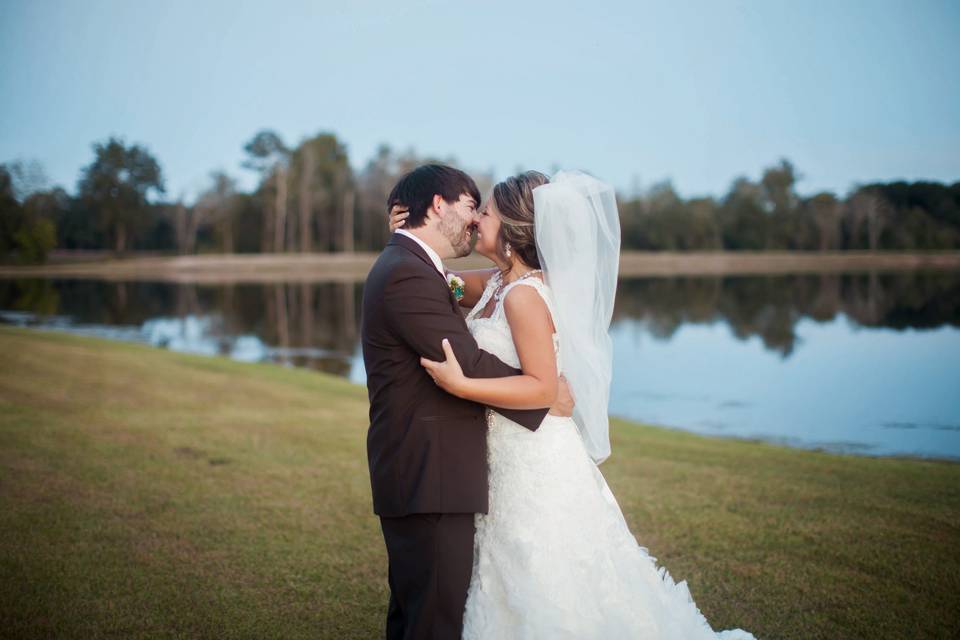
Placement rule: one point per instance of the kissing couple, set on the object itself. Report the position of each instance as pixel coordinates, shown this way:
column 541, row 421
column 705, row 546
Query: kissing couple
column 486, row 430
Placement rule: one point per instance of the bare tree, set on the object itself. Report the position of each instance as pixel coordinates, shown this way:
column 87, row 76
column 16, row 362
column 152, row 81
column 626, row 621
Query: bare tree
column 181, row 227
column 826, row 213
column 187, row 221
column 878, row 217
column 349, row 202
column 216, row 206
column 306, row 198
column 269, row 155
column 875, row 210
column 321, row 168
column 280, row 207
column 374, row 183
column 853, row 219
column 338, row 198
column 266, row 234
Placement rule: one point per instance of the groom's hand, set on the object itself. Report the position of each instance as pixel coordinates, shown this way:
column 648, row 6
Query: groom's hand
column 563, row 406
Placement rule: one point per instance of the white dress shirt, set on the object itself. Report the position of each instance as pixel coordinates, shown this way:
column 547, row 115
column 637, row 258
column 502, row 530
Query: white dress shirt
column 430, row 252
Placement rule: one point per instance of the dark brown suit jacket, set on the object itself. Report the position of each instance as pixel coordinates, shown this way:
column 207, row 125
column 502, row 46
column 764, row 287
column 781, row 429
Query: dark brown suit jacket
column 427, row 449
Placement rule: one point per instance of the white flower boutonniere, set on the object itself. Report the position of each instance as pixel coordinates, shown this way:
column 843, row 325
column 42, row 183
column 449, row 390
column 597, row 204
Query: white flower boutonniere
column 456, row 285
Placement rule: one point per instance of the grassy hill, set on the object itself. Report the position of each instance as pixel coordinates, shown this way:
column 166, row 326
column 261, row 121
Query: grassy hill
column 150, row 494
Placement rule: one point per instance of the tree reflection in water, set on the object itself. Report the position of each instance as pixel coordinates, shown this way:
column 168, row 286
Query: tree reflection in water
column 771, row 306
column 316, row 324
column 312, row 325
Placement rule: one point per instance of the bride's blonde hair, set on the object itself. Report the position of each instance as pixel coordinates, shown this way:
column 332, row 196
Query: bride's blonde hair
column 514, row 200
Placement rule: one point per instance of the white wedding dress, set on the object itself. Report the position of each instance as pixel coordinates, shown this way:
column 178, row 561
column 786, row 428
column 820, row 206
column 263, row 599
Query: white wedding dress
column 553, row 557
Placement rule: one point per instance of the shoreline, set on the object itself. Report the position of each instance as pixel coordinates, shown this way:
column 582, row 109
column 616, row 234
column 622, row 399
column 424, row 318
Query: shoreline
column 627, row 421
column 353, row 267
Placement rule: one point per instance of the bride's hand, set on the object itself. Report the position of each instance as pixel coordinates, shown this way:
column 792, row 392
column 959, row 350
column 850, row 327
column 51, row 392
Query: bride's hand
column 398, row 214
column 564, row 404
column 448, row 375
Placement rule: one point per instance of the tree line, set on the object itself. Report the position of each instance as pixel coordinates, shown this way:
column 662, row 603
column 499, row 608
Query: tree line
column 769, row 214
column 308, row 198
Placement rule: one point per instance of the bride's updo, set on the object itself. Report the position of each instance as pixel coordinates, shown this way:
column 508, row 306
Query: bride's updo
column 514, row 200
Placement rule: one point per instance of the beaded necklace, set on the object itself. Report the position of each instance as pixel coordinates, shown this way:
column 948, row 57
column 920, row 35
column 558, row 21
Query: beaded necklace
column 499, row 291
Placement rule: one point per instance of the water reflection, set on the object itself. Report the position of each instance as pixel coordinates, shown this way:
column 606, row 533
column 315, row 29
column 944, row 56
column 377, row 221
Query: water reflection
column 864, row 363
column 312, row 325
column 771, row 306
column 868, row 391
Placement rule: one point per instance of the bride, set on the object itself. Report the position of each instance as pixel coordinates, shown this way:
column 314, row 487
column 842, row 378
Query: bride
column 553, row 557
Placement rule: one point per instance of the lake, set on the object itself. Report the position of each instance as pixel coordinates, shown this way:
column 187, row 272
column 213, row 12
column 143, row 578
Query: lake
column 865, row 363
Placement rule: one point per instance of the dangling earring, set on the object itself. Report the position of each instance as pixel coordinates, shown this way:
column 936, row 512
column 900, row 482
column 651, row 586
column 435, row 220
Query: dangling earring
column 508, row 250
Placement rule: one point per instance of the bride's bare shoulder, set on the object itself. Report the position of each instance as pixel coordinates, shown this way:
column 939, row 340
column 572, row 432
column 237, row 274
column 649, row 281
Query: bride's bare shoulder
column 526, row 304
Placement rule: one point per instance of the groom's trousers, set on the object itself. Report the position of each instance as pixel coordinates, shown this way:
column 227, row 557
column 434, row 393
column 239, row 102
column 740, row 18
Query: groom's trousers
column 430, row 562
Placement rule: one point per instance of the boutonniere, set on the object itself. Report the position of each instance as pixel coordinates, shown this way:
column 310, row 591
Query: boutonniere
column 456, row 285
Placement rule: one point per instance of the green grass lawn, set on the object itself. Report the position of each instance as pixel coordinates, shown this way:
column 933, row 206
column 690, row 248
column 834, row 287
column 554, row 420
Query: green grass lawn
column 150, row 494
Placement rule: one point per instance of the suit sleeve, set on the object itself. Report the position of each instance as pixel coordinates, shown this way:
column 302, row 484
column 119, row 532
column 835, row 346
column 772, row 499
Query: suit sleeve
column 420, row 311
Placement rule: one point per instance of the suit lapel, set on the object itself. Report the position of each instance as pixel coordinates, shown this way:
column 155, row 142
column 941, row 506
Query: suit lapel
column 401, row 240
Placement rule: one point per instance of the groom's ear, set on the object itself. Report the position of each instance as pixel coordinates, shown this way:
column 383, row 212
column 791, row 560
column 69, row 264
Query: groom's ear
column 436, row 205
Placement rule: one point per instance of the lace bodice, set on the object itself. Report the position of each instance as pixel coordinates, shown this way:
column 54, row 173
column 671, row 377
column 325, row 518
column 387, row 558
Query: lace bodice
column 493, row 333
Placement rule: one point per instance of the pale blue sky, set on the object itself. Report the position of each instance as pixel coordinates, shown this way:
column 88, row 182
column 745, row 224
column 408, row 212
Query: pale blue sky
column 635, row 92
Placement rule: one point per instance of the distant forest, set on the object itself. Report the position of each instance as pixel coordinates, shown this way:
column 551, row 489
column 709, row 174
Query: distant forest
column 309, row 199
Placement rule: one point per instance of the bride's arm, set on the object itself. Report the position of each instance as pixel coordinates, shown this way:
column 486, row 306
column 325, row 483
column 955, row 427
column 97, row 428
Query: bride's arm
column 474, row 282
column 532, row 330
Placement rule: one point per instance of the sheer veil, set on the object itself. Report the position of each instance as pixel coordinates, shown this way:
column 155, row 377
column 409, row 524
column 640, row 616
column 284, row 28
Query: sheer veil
column 577, row 231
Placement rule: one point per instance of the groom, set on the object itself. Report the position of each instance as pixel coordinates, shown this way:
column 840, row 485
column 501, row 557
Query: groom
column 427, row 449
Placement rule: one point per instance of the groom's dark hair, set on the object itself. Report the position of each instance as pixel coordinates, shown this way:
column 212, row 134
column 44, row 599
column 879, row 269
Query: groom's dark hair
column 416, row 190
